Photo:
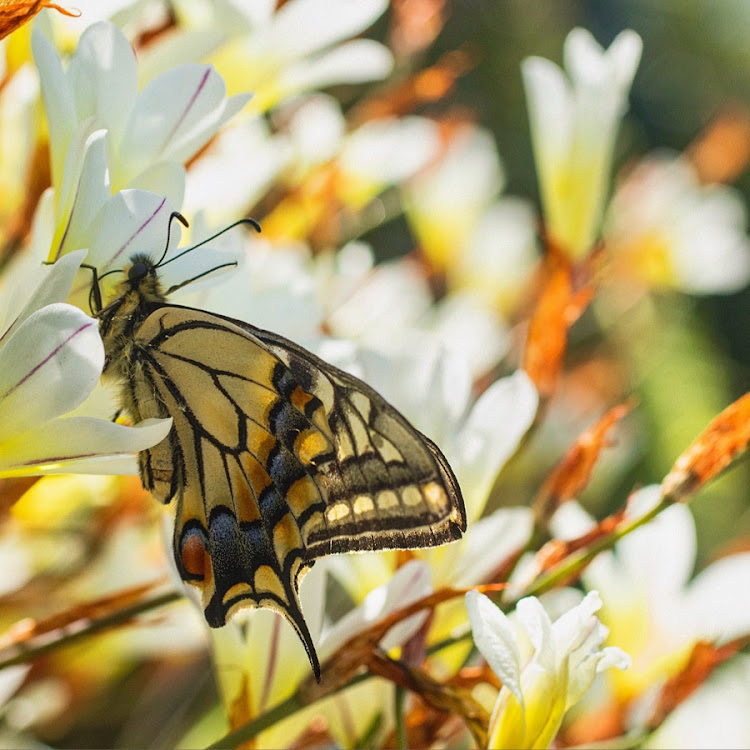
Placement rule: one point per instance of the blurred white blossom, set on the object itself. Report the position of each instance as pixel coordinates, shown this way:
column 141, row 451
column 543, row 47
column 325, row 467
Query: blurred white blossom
column 653, row 608
column 665, row 229
column 715, row 715
column 574, row 123
column 278, row 53
column 485, row 244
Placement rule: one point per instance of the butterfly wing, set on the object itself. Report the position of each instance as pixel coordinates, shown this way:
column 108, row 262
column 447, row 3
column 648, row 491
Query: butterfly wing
column 275, row 459
column 386, row 486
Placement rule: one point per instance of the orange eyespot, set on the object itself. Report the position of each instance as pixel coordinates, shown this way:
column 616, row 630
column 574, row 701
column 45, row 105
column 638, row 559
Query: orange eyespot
column 194, row 557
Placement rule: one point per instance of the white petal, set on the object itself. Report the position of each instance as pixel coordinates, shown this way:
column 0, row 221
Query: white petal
column 570, row 521
column 611, row 656
column 536, row 622
column 105, row 77
column 48, row 366
column 495, row 638
column 242, row 143
column 391, row 298
column 258, row 13
column 489, row 542
column 165, row 178
column 583, row 56
column 312, row 594
column 132, row 221
column 116, row 465
column 502, row 253
column 302, row 27
column 316, row 127
column 390, row 150
column 568, row 626
column 493, row 430
column 55, row 285
column 715, row 715
column 85, row 193
column 469, row 326
column 409, row 583
column 11, row 679
column 624, row 55
column 711, row 250
column 661, row 554
column 176, row 114
column 77, row 443
column 43, row 226
column 465, row 181
column 58, row 102
column 711, row 599
column 354, row 62
column 181, row 46
column 550, row 105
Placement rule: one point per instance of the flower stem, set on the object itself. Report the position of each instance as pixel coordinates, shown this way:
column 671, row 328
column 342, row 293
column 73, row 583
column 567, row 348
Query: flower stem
column 399, row 698
column 48, row 642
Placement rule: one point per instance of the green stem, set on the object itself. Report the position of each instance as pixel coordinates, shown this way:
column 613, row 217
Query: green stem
column 295, row 702
column 24, row 653
column 399, row 698
column 280, row 711
column 579, row 560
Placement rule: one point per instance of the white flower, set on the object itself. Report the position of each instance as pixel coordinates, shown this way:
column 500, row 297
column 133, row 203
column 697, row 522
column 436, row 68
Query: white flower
column 391, row 301
column 235, row 170
column 485, row 245
column 665, row 229
column 545, row 667
column 446, row 201
column 280, row 53
column 654, row 611
column 384, row 152
column 114, row 228
column 573, row 127
column 51, row 357
column 715, row 715
column 150, row 134
column 499, row 260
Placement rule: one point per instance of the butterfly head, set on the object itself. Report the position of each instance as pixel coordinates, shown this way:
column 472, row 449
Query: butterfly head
column 141, row 283
column 141, row 279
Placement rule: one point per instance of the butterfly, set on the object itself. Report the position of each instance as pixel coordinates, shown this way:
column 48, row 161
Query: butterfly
column 275, row 457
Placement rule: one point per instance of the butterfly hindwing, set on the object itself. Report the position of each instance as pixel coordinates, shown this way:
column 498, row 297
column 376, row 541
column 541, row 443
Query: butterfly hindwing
column 275, row 459
column 386, row 485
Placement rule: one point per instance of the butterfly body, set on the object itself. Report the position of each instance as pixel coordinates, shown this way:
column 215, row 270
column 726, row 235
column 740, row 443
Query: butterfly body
column 275, row 457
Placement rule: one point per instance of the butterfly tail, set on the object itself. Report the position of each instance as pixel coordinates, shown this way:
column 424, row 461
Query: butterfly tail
column 294, row 615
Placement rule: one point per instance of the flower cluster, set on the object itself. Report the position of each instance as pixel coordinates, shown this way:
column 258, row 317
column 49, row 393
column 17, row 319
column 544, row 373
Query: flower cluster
column 391, row 249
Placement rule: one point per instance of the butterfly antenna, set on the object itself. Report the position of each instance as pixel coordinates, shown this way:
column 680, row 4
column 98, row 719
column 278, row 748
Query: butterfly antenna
column 95, row 293
column 200, row 276
column 174, row 215
column 254, row 224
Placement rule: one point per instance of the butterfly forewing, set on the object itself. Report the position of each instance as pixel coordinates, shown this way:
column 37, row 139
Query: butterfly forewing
column 276, row 458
